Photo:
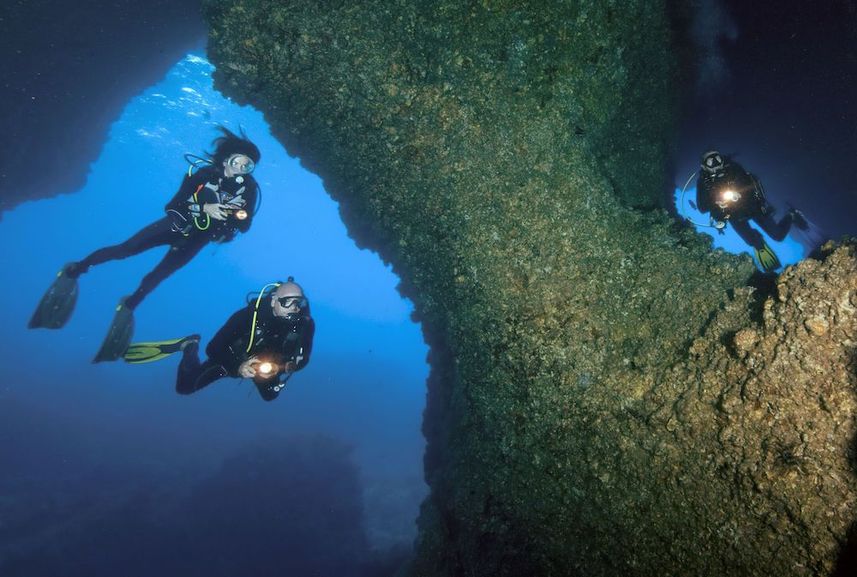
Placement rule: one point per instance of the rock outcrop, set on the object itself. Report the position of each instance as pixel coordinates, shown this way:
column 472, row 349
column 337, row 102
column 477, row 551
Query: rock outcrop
column 607, row 396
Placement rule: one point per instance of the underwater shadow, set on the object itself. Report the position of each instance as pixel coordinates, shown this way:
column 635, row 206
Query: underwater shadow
column 277, row 506
column 846, row 563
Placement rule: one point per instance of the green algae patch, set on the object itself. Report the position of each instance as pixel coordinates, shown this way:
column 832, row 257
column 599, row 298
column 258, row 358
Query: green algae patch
column 602, row 383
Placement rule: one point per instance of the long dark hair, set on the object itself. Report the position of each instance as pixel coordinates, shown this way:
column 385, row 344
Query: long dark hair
column 230, row 143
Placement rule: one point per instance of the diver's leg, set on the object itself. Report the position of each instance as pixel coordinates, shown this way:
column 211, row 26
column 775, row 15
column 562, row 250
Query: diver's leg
column 776, row 230
column 157, row 233
column 193, row 375
column 749, row 234
column 176, row 257
column 768, row 260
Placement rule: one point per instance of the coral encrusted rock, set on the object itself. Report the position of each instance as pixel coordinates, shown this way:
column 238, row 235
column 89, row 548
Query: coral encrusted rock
column 607, row 395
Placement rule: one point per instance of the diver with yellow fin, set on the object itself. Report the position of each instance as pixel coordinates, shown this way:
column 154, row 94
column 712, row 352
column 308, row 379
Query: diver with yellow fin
column 733, row 195
column 267, row 341
column 212, row 204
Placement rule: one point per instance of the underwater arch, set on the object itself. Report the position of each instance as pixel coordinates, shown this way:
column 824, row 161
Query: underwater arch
column 366, row 382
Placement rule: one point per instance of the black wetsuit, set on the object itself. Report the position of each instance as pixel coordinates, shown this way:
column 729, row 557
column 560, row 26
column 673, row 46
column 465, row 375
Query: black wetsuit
column 278, row 340
column 185, row 228
column 752, row 204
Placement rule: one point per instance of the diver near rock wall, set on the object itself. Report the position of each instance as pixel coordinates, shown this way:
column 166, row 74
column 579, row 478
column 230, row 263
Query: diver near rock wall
column 267, row 341
column 732, row 195
column 212, row 204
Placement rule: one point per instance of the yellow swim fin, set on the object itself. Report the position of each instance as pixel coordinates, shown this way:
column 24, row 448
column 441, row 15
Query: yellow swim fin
column 767, row 259
column 156, row 350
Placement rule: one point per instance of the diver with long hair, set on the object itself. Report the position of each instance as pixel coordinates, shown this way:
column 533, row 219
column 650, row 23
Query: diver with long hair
column 212, row 204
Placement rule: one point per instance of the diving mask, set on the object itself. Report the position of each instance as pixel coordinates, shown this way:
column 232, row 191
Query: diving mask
column 241, row 164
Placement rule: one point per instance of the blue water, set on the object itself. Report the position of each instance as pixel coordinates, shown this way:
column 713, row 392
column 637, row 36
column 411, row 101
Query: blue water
column 365, row 384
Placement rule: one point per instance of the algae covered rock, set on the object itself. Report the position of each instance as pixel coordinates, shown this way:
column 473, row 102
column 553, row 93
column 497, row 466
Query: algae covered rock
column 605, row 398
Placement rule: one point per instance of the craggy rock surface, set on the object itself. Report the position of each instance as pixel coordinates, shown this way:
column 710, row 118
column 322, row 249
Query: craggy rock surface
column 606, row 397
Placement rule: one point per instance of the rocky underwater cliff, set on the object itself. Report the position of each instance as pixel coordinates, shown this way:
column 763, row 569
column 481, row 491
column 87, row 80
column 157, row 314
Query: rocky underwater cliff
column 608, row 396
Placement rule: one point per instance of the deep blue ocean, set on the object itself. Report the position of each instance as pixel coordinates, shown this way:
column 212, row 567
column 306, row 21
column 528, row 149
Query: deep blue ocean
column 87, row 441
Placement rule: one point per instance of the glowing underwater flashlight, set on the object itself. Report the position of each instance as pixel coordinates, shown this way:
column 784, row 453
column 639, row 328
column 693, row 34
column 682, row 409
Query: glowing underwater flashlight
column 266, row 369
column 729, row 196
column 241, row 214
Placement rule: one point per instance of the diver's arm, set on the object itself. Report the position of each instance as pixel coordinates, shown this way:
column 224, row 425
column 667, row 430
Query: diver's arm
column 302, row 359
column 758, row 189
column 210, row 204
column 267, row 391
column 237, row 325
column 247, row 369
column 270, row 389
column 250, row 195
column 183, row 202
column 215, row 210
column 703, row 193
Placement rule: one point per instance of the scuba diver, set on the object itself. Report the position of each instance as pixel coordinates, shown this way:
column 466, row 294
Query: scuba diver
column 212, row 204
column 267, row 341
column 733, row 195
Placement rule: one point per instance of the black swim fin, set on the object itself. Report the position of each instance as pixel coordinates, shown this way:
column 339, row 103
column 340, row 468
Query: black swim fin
column 118, row 337
column 156, row 350
column 57, row 303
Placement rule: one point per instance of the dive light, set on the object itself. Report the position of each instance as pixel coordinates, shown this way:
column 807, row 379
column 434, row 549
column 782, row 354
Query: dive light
column 729, row 196
column 238, row 213
column 267, row 374
column 266, row 369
